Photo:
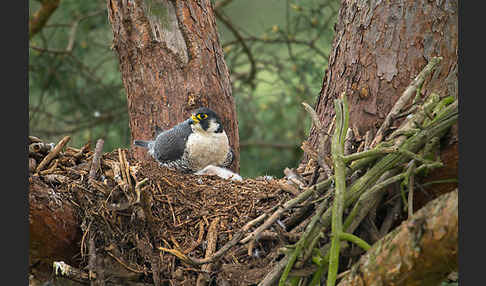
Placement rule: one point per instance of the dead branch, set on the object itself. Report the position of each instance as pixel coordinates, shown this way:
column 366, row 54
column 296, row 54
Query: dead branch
column 95, row 163
column 54, row 152
column 212, row 238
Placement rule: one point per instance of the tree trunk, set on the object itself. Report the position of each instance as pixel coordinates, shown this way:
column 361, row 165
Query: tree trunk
column 379, row 47
column 171, row 62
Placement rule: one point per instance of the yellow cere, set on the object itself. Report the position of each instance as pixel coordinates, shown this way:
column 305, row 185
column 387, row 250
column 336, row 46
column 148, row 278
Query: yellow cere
column 194, row 118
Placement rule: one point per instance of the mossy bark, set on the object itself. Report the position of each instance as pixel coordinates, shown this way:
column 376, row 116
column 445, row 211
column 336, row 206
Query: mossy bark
column 421, row 251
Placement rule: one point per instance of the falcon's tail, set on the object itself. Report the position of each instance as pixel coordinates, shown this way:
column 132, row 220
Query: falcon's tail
column 141, row 143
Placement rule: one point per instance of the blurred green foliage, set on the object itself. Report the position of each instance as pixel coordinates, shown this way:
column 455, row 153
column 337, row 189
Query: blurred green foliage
column 75, row 86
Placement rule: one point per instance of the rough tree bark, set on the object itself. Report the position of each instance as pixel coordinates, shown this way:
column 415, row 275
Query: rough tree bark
column 171, row 62
column 379, row 47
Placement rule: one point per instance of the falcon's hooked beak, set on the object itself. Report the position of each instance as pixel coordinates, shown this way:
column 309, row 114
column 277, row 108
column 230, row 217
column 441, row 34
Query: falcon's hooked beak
column 194, row 119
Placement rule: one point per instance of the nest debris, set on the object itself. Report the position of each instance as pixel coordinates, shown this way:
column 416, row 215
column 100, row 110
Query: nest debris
column 173, row 211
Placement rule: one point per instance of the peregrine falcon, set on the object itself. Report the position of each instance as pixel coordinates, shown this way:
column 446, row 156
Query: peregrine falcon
column 193, row 144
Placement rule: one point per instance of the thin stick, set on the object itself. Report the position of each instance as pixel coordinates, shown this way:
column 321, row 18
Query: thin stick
column 410, row 189
column 92, row 259
column 337, row 151
column 348, row 142
column 95, row 163
column 236, row 238
column 323, row 137
column 122, row 165
column 47, row 159
column 211, row 238
column 310, row 229
column 354, row 239
column 390, row 217
column 369, row 153
column 289, row 204
column 272, row 276
column 119, row 260
column 315, row 119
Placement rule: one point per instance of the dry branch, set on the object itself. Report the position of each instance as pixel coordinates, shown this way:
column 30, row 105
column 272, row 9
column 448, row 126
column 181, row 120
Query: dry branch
column 212, row 238
column 54, row 152
column 95, row 163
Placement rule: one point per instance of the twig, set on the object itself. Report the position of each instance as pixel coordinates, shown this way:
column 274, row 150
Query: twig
column 92, row 259
column 119, row 260
column 84, row 237
column 236, row 238
column 390, row 217
column 354, row 239
column 315, row 119
column 272, row 277
column 138, row 189
column 410, row 188
column 322, row 135
column 337, row 151
column 368, row 139
column 348, row 143
column 360, row 186
column 367, row 202
column 199, row 237
column 212, row 238
column 125, row 167
column 289, row 204
column 369, row 153
column 400, row 135
column 302, row 241
column 407, row 94
column 377, row 187
column 51, row 169
column 131, row 201
column 95, row 162
column 54, row 152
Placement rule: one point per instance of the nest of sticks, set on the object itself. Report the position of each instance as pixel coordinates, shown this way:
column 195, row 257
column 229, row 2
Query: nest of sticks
column 145, row 224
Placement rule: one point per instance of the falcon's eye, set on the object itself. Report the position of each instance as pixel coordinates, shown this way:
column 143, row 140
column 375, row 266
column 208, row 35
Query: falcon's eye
column 202, row 116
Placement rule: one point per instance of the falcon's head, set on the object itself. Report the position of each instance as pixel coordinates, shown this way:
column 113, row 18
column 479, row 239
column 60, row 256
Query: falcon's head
column 206, row 120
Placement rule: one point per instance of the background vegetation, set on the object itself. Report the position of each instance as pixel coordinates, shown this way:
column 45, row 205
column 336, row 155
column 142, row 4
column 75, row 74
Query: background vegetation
column 276, row 51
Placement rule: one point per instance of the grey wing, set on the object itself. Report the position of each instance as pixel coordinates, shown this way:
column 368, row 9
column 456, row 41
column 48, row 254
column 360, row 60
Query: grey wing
column 169, row 145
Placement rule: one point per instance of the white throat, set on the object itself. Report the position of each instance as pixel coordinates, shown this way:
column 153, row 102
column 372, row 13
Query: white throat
column 205, row 147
